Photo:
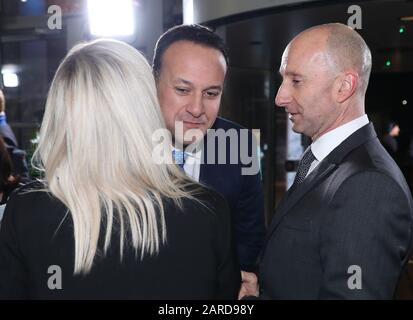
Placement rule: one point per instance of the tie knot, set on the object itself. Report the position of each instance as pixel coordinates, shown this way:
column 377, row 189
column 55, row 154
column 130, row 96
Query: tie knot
column 179, row 157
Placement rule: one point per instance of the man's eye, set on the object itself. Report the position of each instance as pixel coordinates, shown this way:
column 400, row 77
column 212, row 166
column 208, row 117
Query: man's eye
column 295, row 81
column 181, row 90
column 212, row 94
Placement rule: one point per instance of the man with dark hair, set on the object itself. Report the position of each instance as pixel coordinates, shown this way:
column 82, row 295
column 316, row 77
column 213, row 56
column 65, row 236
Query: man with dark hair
column 194, row 33
column 190, row 64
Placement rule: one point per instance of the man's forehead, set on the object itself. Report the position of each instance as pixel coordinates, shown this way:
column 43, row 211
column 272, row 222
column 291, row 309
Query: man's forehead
column 179, row 79
column 195, row 82
column 285, row 66
column 188, row 61
column 299, row 57
column 184, row 49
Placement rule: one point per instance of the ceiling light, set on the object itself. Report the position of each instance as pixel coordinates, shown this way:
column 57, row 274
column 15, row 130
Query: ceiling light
column 10, row 80
column 111, row 18
column 188, row 14
column 406, row 18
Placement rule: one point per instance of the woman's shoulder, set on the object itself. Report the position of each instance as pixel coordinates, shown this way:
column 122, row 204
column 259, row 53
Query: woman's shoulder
column 206, row 195
column 206, row 205
column 31, row 201
column 28, row 191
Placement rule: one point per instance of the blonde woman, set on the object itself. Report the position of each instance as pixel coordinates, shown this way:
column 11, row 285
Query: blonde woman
column 109, row 221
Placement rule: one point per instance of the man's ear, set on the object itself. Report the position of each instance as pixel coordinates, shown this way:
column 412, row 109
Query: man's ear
column 346, row 85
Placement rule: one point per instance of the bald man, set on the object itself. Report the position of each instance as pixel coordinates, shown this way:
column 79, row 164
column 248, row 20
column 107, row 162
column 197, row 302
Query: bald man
column 344, row 229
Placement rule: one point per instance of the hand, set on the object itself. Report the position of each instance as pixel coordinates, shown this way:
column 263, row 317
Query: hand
column 249, row 285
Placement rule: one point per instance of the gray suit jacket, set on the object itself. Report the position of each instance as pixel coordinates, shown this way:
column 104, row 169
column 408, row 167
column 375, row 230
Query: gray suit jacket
column 345, row 232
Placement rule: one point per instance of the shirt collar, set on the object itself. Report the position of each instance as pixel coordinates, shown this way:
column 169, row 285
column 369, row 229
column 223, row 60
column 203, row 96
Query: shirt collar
column 323, row 146
column 196, row 154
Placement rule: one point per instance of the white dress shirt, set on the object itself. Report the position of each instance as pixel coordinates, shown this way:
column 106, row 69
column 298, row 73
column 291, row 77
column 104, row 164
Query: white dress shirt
column 2, row 207
column 192, row 165
column 325, row 144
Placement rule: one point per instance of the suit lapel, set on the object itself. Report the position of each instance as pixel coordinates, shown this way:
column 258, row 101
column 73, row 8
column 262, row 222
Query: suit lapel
column 323, row 170
column 203, row 174
column 206, row 174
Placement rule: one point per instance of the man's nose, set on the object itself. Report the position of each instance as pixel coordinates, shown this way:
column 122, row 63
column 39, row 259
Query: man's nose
column 196, row 106
column 283, row 97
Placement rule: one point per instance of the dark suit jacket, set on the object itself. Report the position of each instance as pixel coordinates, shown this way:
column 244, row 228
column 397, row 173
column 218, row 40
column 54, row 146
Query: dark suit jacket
column 17, row 156
column 391, row 146
column 8, row 136
column 243, row 192
column 354, row 209
column 197, row 262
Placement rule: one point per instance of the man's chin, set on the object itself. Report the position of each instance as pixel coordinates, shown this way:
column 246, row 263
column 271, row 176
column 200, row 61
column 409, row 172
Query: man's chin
column 296, row 130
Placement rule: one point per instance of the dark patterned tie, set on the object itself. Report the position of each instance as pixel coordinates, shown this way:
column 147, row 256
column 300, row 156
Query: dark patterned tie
column 304, row 166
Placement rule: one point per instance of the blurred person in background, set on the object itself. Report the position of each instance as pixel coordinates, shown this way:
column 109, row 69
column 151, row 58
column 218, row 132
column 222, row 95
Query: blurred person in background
column 17, row 156
column 389, row 140
column 7, row 181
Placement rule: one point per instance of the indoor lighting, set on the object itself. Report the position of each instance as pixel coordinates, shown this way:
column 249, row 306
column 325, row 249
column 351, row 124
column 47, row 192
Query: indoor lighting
column 406, row 18
column 10, row 80
column 188, row 13
column 111, row 18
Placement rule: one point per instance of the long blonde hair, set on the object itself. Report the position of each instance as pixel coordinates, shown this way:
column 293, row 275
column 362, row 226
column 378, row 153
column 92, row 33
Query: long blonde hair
column 95, row 147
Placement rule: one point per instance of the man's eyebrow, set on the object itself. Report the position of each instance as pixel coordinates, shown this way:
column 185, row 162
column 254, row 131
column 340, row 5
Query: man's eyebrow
column 187, row 82
column 217, row 87
column 292, row 74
